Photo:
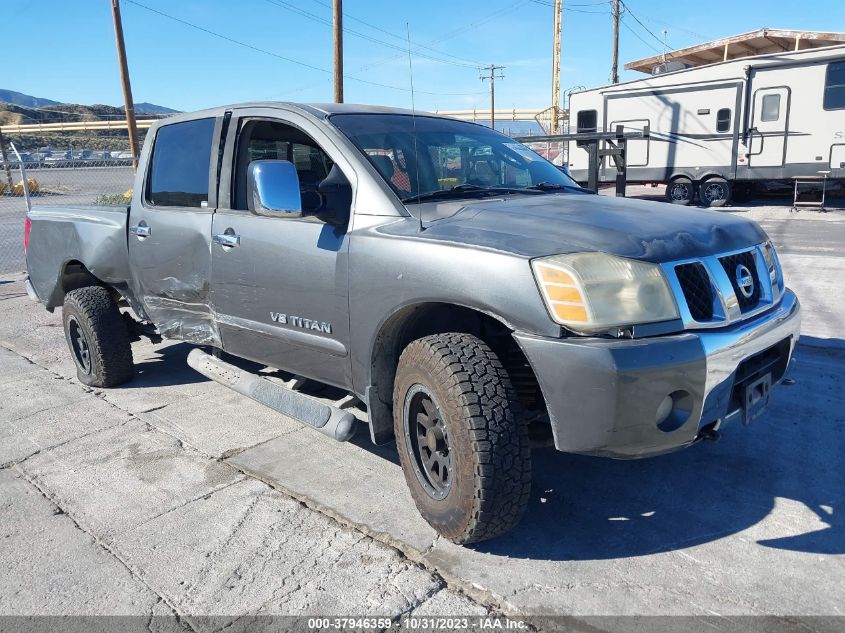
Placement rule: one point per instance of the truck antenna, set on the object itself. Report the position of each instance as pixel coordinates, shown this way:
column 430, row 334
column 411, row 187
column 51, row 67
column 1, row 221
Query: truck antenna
column 414, row 119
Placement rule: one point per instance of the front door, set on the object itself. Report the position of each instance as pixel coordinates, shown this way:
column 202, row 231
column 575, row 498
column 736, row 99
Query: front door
column 281, row 293
column 769, row 126
column 169, row 230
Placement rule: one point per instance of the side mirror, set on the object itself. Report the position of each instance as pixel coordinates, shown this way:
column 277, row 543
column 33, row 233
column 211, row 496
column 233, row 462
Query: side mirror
column 337, row 198
column 273, row 189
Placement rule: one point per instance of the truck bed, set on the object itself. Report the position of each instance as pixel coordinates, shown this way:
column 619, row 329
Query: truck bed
column 95, row 235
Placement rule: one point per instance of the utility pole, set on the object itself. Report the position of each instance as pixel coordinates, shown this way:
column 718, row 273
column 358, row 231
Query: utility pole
column 553, row 125
column 337, row 10
column 614, row 71
column 492, row 77
column 129, row 104
column 6, row 161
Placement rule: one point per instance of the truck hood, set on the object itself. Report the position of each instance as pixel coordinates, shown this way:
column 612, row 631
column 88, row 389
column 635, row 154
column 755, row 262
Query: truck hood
column 534, row 226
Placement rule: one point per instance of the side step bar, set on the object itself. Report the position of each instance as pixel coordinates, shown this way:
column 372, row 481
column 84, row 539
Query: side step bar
column 329, row 420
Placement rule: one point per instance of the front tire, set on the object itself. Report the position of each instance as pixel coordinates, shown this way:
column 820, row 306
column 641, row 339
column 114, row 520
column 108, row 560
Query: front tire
column 97, row 337
column 680, row 191
column 462, row 442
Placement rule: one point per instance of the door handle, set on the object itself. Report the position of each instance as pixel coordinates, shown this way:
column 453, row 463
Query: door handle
column 227, row 240
column 140, row 230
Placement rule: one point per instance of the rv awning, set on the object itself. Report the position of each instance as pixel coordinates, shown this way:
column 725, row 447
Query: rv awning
column 759, row 42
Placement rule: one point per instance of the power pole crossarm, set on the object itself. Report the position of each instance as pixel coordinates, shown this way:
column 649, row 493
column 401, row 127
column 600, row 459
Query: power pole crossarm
column 492, row 77
column 337, row 12
column 129, row 104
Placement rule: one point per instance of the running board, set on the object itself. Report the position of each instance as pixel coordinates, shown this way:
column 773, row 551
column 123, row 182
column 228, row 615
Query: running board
column 329, row 420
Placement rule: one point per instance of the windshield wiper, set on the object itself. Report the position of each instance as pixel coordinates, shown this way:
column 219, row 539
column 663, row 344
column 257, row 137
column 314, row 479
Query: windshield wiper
column 459, row 191
column 555, row 186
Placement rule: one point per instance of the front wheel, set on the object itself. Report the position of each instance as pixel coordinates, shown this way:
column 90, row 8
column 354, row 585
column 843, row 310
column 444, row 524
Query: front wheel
column 463, row 445
column 680, row 191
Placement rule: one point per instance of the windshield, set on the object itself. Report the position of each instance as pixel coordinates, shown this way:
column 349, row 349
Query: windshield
column 450, row 157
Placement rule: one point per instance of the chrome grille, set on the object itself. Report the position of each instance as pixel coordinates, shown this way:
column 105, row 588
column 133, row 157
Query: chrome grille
column 697, row 289
column 707, row 289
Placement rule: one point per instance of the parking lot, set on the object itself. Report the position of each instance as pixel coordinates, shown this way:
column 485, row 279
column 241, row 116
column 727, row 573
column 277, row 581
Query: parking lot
column 172, row 495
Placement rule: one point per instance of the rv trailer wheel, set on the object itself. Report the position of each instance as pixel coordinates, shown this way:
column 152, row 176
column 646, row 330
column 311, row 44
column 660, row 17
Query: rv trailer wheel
column 680, row 191
column 714, row 192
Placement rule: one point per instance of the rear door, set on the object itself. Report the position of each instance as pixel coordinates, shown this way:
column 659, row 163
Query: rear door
column 170, row 229
column 281, row 294
column 769, row 126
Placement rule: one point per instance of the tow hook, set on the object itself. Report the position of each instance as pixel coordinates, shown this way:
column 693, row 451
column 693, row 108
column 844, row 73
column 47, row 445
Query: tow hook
column 709, row 432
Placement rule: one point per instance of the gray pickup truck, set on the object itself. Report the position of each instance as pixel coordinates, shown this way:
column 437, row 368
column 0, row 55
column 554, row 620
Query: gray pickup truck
column 474, row 298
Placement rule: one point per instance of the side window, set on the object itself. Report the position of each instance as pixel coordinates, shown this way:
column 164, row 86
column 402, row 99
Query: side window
column 834, row 87
column 770, row 109
column 179, row 168
column 273, row 140
column 586, row 121
column 723, row 120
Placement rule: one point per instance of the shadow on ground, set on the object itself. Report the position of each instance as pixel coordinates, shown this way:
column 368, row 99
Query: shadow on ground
column 168, row 368
column 585, row 508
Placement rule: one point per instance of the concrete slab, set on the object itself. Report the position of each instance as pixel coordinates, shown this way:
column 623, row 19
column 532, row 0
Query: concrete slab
column 120, row 477
column 358, row 482
column 817, row 280
column 58, row 568
column 221, row 422
column 42, row 430
column 14, row 367
column 34, row 392
column 451, row 604
column 247, row 549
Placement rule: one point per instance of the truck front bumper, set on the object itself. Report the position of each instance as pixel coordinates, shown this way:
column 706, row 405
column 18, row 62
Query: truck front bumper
column 609, row 396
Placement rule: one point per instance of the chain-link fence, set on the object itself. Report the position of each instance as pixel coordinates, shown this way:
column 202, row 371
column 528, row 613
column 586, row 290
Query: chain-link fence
column 61, row 169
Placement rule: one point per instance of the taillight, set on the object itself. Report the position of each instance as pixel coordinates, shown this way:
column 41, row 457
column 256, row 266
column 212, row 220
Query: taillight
column 26, row 229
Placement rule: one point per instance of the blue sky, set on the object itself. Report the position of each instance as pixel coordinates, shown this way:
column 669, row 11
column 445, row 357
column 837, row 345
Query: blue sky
column 68, row 49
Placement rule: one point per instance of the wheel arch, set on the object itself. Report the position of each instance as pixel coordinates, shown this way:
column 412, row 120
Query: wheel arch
column 414, row 321
column 72, row 275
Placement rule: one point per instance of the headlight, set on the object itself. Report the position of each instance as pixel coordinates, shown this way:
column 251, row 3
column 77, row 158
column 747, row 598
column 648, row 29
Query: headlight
column 590, row 292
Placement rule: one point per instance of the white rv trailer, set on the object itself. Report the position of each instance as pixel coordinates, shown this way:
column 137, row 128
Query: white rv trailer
column 717, row 129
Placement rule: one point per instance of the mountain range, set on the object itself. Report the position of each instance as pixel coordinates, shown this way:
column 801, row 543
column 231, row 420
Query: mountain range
column 28, row 101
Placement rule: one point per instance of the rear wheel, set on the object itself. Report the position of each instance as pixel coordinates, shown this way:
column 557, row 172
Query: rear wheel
column 680, row 191
column 462, row 442
column 97, row 337
column 714, row 192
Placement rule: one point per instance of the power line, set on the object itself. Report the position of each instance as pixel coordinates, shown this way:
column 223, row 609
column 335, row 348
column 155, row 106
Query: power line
column 401, row 38
column 264, row 51
column 631, row 13
column 637, row 35
column 461, row 30
column 573, row 8
column 316, row 18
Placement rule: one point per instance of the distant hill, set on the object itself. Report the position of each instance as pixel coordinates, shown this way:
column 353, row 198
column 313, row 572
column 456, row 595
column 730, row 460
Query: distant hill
column 68, row 112
column 27, row 101
column 151, row 108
